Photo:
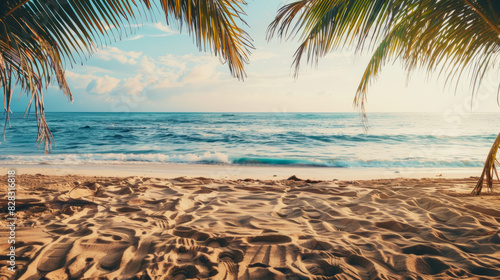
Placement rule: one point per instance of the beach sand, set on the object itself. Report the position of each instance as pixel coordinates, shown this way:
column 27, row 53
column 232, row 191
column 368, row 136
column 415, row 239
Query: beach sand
column 90, row 227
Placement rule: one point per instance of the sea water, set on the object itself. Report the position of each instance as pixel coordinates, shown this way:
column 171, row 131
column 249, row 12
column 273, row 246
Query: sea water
column 330, row 140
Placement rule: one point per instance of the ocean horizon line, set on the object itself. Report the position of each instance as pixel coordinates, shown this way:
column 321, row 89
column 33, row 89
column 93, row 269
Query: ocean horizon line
column 261, row 112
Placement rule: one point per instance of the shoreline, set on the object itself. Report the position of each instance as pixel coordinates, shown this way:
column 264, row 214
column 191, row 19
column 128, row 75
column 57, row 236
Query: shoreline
column 234, row 172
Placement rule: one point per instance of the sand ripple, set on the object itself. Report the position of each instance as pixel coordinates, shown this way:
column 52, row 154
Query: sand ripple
column 151, row 228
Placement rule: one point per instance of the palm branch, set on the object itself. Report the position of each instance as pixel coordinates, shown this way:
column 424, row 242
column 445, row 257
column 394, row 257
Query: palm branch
column 38, row 38
column 450, row 37
column 489, row 169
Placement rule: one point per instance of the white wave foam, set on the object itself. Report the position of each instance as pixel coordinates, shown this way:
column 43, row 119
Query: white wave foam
column 62, row 159
column 220, row 158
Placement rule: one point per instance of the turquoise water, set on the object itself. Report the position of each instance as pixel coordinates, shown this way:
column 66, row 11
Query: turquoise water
column 299, row 139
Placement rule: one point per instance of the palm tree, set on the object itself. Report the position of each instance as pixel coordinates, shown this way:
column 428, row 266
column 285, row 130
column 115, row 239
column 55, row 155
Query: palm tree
column 37, row 38
column 450, row 37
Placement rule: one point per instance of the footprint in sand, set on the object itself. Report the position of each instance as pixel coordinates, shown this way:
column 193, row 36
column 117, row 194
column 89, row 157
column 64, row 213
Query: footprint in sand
column 182, row 258
column 316, row 265
column 266, row 239
column 313, row 244
column 430, row 266
column 187, row 232
column 228, row 255
column 100, row 251
column 421, row 249
column 267, row 257
column 126, row 209
column 55, row 256
column 106, row 248
column 363, row 266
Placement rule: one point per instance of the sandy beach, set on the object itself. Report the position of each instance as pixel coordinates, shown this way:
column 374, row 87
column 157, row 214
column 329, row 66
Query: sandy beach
column 235, row 172
column 95, row 227
column 175, row 140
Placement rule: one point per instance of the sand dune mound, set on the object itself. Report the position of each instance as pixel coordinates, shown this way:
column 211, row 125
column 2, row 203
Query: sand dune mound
column 149, row 228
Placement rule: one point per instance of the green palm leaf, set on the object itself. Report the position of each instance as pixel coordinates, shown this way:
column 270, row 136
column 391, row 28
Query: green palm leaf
column 450, row 37
column 37, row 37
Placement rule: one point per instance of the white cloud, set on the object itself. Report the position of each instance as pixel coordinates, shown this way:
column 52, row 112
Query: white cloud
column 134, row 85
column 77, row 80
column 136, row 37
column 148, row 75
column 173, row 61
column 92, row 83
column 160, row 35
column 148, row 65
column 94, row 69
column 102, row 85
column 201, row 73
column 125, row 57
column 175, row 71
column 165, row 28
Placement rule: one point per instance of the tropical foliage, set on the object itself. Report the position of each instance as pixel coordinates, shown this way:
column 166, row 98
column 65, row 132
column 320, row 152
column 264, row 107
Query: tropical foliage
column 488, row 169
column 453, row 38
column 39, row 37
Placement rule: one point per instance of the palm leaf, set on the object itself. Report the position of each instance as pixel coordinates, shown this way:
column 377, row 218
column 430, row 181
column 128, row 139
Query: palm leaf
column 448, row 37
column 489, row 169
column 37, row 38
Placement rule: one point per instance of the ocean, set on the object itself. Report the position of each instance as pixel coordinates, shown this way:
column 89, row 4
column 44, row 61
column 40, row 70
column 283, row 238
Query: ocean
column 330, row 140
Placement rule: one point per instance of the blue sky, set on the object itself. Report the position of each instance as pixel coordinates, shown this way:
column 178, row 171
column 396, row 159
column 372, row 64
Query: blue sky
column 161, row 70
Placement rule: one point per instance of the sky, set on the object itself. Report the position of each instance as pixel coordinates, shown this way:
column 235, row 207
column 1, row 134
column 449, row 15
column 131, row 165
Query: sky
column 159, row 69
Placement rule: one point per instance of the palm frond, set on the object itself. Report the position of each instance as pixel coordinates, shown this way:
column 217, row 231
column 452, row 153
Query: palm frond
column 37, row 38
column 489, row 169
column 448, row 37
